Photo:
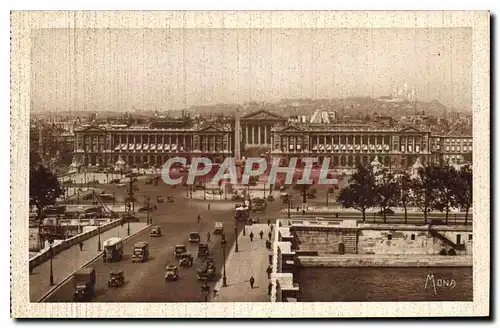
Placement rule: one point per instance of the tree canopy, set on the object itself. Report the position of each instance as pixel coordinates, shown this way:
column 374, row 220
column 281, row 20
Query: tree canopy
column 44, row 188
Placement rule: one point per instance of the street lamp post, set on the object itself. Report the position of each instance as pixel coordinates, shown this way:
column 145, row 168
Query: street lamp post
column 223, row 244
column 98, row 235
column 149, row 209
column 51, row 250
column 236, row 234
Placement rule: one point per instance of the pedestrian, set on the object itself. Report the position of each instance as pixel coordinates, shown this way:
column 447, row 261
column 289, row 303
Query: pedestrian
column 269, row 288
column 268, row 222
column 270, row 259
column 199, row 219
column 272, row 228
column 251, row 236
column 261, row 233
column 269, row 271
column 81, row 246
column 270, row 235
column 215, row 292
column 209, row 206
column 304, row 212
column 337, row 215
column 268, row 244
column 208, row 236
column 252, row 281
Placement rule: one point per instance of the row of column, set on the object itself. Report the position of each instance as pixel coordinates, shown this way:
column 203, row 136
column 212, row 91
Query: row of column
column 411, row 143
column 253, row 134
column 153, row 139
column 350, row 161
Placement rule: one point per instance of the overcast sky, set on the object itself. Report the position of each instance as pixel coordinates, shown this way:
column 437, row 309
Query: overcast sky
column 127, row 69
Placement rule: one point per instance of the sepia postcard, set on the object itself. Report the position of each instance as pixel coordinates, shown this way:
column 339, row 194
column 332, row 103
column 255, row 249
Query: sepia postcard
column 227, row 164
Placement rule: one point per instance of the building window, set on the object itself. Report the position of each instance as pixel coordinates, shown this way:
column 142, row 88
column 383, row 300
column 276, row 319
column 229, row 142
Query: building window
column 412, row 237
column 389, row 237
column 470, row 237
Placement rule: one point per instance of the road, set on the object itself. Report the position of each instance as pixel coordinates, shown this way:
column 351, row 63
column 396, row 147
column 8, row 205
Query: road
column 144, row 282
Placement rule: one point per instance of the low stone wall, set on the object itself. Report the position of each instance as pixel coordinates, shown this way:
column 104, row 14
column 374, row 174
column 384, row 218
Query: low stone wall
column 385, row 261
column 364, row 245
column 37, row 260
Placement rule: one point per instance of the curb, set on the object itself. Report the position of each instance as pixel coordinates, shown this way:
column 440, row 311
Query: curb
column 218, row 285
column 59, row 285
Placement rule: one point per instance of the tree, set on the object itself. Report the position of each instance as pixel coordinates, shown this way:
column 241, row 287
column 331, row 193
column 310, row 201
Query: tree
column 404, row 191
column 423, row 188
column 360, row 193
column 464, row 189
column 445, row 186
column 44, row 190
column 386, row 189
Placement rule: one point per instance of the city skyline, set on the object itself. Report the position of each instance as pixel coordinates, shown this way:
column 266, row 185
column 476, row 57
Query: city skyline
column 146, row 69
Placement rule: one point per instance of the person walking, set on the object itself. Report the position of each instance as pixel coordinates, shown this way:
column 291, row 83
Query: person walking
column 272, row 228
column 208, row 236
column 199, row 219
column 269, row 288
column 252, row 281
column 268, row 222
column 251, row 236
column 209, row 206
column 81, row 246
column 269, row 271
column 261, row 233
column 270, row 235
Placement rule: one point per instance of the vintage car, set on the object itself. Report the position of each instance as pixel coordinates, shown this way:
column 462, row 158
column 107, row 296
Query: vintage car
column 155, row 231
column 218, row 228
column 194, row 237
column 252, row 220
column 84, row 284
column 160, row 199
column 179, row 250
column 170, row 199
column 116, row 279
column 171, row 273
column 186, row 260
column 145, row 208
column 203, row 250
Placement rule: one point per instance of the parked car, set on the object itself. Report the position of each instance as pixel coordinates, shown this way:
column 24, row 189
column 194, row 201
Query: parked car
column 127, row 217
column 145, row 208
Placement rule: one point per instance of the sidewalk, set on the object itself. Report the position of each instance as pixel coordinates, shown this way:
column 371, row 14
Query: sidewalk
column 251, row 260
column 71, row 259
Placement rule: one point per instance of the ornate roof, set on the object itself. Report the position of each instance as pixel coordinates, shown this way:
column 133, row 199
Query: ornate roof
column 262, row 115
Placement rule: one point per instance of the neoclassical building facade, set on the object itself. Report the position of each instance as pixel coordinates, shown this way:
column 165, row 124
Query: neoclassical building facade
column 145, row 145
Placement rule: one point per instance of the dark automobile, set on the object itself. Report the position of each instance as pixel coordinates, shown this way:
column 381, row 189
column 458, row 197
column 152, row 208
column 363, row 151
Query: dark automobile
column 115, row 181
column 127, row 217
column 145, row 208
column 116, row 279
column 387, row 211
